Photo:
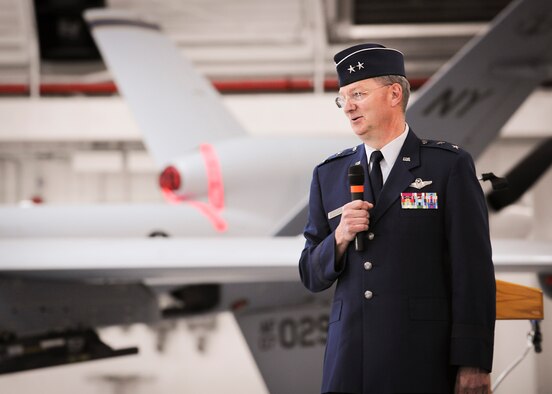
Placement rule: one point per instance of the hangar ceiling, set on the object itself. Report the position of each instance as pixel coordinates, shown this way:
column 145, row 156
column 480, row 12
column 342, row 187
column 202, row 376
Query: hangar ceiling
column 260, row 44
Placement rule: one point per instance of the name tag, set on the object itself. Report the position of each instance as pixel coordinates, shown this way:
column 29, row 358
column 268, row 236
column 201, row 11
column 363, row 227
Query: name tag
column 419, row 201
column 335, row 213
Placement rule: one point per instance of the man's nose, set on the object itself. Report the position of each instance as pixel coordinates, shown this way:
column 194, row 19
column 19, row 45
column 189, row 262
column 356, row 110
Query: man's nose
column 349, row 105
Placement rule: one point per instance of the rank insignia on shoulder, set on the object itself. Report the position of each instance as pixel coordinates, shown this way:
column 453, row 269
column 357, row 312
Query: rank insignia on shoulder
column 341, row 153
column 441, row 144
column 420, row 184
column 419, row 201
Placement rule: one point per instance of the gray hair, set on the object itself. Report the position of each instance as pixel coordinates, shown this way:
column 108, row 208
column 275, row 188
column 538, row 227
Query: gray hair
column 405, row 85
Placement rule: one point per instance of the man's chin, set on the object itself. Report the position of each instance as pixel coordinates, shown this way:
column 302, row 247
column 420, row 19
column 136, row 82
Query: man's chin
column 359, row 131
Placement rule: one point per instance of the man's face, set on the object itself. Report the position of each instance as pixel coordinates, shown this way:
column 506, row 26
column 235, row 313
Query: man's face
column 366, row 104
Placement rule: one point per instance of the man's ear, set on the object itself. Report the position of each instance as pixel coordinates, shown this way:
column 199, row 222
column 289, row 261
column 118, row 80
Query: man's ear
column 396, row 94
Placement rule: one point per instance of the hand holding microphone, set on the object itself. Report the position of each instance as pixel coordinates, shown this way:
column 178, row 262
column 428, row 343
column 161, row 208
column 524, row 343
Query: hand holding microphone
column 355, row 216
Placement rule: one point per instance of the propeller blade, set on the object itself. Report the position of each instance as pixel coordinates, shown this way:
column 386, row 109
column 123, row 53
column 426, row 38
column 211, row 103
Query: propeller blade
column 523, row 176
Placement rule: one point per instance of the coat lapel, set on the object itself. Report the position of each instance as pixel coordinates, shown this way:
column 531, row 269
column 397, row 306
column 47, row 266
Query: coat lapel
column 399, row 177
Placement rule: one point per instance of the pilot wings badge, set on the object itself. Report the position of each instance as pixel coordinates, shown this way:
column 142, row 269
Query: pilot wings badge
column 419, row 183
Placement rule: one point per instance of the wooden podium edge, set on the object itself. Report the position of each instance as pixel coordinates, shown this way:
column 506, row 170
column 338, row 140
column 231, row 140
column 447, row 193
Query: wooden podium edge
column 516, row 302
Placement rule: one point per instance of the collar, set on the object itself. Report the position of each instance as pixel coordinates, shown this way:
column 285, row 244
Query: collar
column 390, row 152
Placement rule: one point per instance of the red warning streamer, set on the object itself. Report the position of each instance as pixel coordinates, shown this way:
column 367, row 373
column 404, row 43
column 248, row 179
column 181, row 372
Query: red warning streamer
column 215, row 187
column 215, row 190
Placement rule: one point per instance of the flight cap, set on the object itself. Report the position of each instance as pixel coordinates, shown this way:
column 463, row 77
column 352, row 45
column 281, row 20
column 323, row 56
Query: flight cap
column 365, row 61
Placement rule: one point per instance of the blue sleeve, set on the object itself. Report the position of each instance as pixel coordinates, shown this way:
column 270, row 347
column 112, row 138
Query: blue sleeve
column 317, row 263
column 472, row 270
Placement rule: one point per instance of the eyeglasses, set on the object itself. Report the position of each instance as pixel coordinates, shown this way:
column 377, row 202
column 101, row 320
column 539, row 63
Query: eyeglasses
column 355, row 97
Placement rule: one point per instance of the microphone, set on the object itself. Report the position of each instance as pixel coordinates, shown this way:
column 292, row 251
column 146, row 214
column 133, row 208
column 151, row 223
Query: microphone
column 356, row 181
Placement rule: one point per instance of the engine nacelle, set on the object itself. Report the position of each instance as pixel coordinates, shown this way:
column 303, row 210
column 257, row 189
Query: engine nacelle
column 261, row 176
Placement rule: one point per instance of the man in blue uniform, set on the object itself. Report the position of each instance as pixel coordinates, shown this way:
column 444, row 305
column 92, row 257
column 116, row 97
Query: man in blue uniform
column 414, row 311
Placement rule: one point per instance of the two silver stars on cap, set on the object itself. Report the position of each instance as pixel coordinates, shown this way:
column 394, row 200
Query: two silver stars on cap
column 352, row 68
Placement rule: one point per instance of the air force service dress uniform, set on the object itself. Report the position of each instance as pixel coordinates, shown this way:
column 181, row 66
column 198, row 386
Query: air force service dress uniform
column 419, row 301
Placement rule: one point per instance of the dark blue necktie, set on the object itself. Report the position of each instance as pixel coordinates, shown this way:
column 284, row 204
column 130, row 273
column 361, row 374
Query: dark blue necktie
column 376, row 178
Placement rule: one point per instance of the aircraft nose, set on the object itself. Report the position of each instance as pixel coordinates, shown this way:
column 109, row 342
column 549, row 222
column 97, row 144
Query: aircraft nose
column 170, row 179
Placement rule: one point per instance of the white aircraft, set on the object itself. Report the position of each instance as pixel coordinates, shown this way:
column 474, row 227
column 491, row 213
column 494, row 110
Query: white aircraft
column 68, row 270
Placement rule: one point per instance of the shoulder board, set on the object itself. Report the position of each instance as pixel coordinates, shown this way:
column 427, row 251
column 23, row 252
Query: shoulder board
column 342, row 153
column 440, row 144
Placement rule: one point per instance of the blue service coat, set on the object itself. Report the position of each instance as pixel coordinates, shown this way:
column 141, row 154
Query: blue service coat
column 431, row 277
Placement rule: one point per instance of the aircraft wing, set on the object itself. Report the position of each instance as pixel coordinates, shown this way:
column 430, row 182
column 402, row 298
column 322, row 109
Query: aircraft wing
column 154, row 260
column 176, row 261
column 212, row 274
column 472, row 96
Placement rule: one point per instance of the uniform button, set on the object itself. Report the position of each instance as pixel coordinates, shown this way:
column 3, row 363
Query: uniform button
column 368, row 294
column 371, row 236
column 367, row 266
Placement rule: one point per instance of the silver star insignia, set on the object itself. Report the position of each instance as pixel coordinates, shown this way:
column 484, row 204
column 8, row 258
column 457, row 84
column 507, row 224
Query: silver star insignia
column 360, row 65
column 455, row 146
column 351, row 69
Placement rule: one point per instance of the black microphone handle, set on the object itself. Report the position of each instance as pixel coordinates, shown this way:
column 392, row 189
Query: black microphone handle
column 359, row 237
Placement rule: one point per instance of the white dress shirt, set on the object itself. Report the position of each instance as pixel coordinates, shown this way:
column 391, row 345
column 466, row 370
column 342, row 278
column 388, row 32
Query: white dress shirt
column 390, row 153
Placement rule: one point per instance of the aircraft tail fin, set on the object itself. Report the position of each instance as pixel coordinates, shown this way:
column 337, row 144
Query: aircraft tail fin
column 176, row 108
column 278, row 335
column 471, row 97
